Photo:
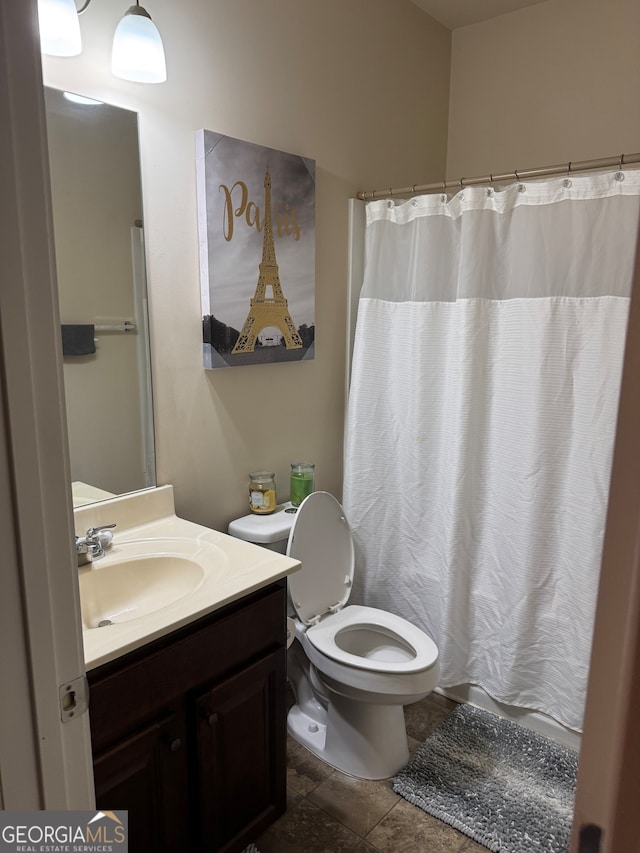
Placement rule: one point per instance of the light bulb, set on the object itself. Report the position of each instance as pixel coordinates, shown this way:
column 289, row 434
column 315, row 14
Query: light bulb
column 138, row 53
column 59, row 28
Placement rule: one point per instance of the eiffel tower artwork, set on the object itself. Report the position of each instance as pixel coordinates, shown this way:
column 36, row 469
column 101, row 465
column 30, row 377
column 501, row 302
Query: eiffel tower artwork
column 268, row 306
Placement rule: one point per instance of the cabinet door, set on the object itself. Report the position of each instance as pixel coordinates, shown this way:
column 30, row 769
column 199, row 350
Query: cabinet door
column 241, row 733
column 147, row 775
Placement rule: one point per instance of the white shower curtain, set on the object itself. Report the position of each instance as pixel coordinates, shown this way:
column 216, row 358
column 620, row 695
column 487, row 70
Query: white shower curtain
column 481, row 419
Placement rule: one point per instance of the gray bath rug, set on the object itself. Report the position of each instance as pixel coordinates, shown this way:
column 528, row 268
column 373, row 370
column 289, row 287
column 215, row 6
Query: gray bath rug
column 504, row 786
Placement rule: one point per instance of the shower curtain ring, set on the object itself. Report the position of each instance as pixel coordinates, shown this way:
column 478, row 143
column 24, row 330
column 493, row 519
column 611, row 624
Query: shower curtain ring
column 567, row 181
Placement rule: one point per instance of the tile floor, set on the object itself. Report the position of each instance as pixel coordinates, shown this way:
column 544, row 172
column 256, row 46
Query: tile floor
column 330, row 812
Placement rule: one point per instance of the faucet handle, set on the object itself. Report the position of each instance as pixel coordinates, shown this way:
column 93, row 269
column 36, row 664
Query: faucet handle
column 92, row 531
column 102, row 534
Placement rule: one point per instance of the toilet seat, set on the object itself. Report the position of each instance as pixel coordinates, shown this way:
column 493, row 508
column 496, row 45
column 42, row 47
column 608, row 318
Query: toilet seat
column 364, row 638
column 370, row 639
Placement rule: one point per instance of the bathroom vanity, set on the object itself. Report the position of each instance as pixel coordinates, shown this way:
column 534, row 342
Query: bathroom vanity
column 189, row 732
column 188, row 717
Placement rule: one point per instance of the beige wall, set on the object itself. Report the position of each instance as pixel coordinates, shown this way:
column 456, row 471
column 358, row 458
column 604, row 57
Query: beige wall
column 551, row 83
column 361, row 87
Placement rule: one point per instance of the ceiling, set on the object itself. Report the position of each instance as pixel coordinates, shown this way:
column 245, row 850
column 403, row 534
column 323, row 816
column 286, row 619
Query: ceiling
column 459, row 13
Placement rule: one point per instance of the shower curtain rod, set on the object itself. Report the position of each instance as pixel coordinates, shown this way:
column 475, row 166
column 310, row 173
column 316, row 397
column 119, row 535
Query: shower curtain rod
column 517, row 175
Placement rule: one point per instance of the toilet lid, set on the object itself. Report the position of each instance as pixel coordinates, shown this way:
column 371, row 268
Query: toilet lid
column 321, row 539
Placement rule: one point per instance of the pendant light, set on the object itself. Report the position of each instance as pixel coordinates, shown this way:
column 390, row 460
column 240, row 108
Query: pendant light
column 138, row 53
column 59, row 28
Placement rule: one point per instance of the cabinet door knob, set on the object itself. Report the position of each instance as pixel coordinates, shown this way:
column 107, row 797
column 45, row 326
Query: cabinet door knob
column 175, row 744
column 212, row 719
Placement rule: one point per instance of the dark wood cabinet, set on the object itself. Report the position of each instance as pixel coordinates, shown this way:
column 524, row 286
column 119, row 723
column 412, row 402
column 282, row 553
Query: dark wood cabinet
column 145, row 773
column 189, row 732
column 239, row 743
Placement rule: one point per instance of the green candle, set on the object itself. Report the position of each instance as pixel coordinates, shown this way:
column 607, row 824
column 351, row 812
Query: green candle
column 302, row 481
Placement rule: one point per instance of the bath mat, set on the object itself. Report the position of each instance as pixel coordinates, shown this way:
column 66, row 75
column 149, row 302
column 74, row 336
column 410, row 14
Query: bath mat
column 506, row 787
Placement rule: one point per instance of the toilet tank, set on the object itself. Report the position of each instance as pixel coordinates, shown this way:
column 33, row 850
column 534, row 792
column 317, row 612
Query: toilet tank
column 270, row 531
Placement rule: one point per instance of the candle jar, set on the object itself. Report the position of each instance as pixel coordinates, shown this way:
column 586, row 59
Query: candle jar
column 262, row 492
column 303, row 478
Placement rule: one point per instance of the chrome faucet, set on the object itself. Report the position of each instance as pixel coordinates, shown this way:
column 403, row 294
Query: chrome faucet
column 93, row 544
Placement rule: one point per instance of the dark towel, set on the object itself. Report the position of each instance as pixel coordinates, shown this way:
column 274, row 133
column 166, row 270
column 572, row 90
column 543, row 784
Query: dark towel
column 78, row 340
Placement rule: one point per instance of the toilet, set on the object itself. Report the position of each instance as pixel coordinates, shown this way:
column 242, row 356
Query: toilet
column 352, row 668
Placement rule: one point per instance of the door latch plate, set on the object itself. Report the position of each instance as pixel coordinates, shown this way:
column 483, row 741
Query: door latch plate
column 74, row 698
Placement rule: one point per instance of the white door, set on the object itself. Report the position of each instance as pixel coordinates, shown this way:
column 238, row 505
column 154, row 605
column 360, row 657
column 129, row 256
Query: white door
column 45, row 751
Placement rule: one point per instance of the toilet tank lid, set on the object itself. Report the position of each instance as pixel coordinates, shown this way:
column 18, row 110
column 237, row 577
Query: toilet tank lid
column 263, row 529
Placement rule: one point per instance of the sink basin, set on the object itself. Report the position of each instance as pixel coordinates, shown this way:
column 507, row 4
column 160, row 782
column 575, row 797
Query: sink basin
column 140, row 577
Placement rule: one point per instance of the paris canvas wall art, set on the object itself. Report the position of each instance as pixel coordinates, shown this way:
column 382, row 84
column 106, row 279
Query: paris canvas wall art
column 256, row 222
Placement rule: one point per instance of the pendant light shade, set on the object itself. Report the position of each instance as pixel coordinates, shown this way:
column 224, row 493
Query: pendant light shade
column 59, row 28
column 138, row 53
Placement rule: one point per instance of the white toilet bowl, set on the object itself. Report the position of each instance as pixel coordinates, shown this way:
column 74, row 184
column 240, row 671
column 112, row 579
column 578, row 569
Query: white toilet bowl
column 352, row 668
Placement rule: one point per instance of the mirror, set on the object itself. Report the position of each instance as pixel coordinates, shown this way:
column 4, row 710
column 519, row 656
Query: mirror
column 99, row 242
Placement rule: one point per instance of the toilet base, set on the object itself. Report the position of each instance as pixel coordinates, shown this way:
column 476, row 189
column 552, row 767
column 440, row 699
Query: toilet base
column 363, row 740
column 307, row 731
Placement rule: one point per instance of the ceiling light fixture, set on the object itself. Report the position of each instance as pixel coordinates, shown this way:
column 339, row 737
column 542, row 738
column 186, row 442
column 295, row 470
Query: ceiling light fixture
column 59, row 28
column 138, row 53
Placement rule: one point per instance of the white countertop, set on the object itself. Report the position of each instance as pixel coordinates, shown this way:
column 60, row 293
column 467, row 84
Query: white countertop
column 233, row 568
